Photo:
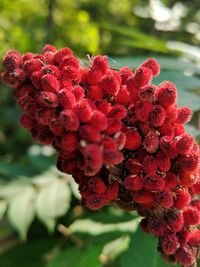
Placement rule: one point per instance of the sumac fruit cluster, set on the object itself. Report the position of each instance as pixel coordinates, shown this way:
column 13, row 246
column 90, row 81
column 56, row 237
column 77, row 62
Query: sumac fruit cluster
column 121, row 137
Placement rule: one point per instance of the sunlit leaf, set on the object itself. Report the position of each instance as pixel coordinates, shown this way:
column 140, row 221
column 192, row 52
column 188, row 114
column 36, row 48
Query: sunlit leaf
column 21, row 211
column 97, row 228
column 3, row 207
column 142, row 252
column 53, row 201
column 114, row 248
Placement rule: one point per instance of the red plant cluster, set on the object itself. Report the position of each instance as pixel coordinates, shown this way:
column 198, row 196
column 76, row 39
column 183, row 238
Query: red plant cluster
column 121, row 137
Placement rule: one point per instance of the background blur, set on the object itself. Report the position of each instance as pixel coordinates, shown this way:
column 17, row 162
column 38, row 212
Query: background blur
column 42, row 223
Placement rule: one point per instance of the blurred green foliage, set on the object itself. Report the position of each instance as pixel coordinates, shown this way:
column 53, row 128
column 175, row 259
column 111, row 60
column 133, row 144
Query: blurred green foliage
column 30, row 188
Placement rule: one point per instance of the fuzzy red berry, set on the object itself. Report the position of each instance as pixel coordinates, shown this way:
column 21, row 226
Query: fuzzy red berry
column 133, row 139
column 133, row 182
column 166, row 94
column 157, row 116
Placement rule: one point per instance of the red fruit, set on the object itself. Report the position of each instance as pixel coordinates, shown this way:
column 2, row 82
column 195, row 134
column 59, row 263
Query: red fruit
column 94, row 92
column 146, row 93
column 191, row 216
column 142, row 110
column 184, row 144
column 156, row 226
column 185, row 256
column 187, row 179
column 69, row 61
column 151, row 142
column 49, row 48
column 66, row 99
column 90, row 133
column 125, row 73
column 143, row 76
column 114, row 126
column 194, row 238
column 153, row 65
column 26, row 121
column 112, row 191
column 182, row 198
column 12, row 60
column 171, row 114
column 99, row 120
column 149, row 165
column 66, row 166
column 109, row 143
column 32, row 65
column 60, row 54
column 133, row 182
column 96, row 201
column 44, row 116
column 144, row 198
column 50, row 83
column 133, row 165
column 166, row 94
column 70, row 74
column 48, row 99
column 169, row 244
column 117, row 112
column 78, row 92
column 69, row 120
column 170, row 180
column 164, row 199
column 157, row 116
column 104, row 106
column 84, row 111
column 184, row 115
column 70, row 141
column 168, row 146
column 189, row 163
column 56, row 128
column 93, row 157
column 163, row 162
column 174, row 220
column 153, row 183
column 112, row 157
column 36, row 79
column 100, row 63
column 110, row 84
column 133, row 139
column 96, row 185
column 123, row 96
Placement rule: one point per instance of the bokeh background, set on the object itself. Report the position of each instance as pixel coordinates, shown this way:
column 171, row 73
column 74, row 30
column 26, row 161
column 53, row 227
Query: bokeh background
column 41, row 221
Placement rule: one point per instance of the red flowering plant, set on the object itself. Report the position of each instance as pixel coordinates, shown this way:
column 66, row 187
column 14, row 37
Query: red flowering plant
column 121, row 138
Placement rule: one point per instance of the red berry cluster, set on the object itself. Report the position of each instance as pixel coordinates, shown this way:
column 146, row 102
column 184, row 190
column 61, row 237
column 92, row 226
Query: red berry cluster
column 122, row 139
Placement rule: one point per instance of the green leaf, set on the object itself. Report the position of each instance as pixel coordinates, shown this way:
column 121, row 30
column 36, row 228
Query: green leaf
column 166, row 63
column 181, row 80
column 3, row 207
column 14, row 188
column 114, row 248
column 137, row 38
column 142, row 252
column 87, row 257
column 97, row 228
column 189, row 99
column 53, row 201
column 29, row 254
column 74, row 187
column 192, row 130
column 21, row 211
